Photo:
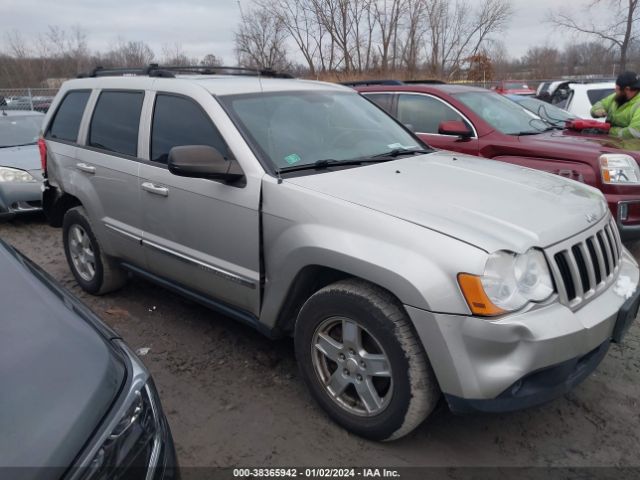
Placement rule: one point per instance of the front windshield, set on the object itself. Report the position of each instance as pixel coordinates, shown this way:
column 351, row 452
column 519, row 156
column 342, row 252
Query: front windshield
column 501, row 113
column 304, row 127
column 546, row 111
column 19, row 130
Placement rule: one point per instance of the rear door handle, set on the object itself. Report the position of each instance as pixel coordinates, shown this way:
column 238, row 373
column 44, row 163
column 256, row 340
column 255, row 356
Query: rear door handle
column 83, row 167
column 155, row 189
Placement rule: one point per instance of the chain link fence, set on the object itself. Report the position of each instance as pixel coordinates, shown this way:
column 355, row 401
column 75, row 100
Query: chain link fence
column 38, row 99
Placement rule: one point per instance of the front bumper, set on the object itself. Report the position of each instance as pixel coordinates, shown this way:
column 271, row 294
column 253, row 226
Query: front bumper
column 543, row 351
column 626, row 210
column 16, row 198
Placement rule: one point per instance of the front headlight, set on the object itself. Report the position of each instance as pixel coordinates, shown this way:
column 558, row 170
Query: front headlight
column 509, row 282
column 133, row 442
column 15, row 175
column 619, row 169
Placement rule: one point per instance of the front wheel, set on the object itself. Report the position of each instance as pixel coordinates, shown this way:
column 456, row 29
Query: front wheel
column 362, row 361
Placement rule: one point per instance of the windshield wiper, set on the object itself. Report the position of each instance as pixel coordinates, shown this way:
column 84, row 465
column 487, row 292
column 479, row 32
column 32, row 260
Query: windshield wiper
column 321, row 165
column 330, row 162
column 528, row 132
column 397, row 152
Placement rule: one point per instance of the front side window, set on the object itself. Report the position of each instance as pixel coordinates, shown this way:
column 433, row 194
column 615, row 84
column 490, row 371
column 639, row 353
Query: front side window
column 66, row 122
column 18, row 130
column 424, row 114
column 115, row 123
column 501, row 113
column 303, row 127
column 179, row 121
column 383, row 100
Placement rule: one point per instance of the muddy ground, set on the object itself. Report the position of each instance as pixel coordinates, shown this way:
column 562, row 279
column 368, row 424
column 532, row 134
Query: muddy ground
column 234, row 398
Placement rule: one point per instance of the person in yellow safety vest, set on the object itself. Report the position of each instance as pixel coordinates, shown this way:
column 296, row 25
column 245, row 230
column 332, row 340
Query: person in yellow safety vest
column 622, row 108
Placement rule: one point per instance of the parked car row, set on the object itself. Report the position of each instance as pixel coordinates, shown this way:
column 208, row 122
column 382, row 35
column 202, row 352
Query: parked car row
column 490, row 271
column 38, row 103
column 301, row 209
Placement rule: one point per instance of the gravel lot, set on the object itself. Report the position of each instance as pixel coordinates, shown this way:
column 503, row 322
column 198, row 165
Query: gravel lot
column 234, row 398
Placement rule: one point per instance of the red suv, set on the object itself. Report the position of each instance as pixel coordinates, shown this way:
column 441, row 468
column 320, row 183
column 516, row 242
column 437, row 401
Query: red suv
column 481, row 122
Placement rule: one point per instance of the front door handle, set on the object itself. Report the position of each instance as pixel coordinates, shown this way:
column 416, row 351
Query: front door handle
column 83, row 167
column 155, row 189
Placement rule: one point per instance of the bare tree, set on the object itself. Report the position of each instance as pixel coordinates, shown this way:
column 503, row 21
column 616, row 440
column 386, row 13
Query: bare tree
column 129, row 54
column 299, row 20
column 542, row 62
column 211, row 60
column 387, row 14
column 260, row 40
column 458, row 31
column 618, row 27
column 174, row 54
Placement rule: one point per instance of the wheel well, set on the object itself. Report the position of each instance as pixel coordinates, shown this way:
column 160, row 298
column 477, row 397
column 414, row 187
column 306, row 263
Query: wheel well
column 308, row 281
column 61, row 205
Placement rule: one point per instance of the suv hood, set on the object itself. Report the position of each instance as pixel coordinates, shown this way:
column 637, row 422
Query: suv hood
column 564, row 143
column 489, row 204
column 60, row 373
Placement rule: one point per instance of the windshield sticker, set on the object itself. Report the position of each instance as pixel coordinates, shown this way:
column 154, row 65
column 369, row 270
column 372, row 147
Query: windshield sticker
column 394, row 146
column 293, row 158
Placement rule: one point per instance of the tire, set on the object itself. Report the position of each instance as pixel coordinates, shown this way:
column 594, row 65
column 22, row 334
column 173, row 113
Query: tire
column 95, row 272
column 407, row 390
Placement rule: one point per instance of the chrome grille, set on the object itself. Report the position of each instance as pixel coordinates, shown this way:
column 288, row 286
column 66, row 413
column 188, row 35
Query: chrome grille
column 586, row 264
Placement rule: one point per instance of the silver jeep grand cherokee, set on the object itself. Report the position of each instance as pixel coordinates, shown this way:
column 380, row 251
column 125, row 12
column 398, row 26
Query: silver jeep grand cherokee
column 302, row 209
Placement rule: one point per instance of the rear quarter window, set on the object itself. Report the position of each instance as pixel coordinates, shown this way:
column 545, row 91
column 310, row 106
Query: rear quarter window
column 598, row 94
column 115, row 123
column 66, row 121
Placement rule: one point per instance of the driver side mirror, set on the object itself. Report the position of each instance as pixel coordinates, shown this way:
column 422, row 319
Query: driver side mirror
column 203, row 161
column 456, row 128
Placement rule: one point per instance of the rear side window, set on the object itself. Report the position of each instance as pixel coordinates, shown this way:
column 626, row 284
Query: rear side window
column 598, row 94
column 383, row 100
column 66, row 122
column 115, row 122
column 179, row 121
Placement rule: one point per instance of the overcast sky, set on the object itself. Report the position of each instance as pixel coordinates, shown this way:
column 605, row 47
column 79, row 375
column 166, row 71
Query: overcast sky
column 203, row 27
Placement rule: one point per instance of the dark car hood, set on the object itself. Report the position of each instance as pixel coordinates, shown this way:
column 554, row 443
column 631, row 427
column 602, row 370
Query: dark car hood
column 26, row 157
column 59, row 373
column 574, row 145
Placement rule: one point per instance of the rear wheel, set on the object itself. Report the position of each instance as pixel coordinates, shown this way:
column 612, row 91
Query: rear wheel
column 363, row 362
column 93, row 270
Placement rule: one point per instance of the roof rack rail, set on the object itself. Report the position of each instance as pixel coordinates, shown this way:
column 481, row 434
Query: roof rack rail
column 364, row 83
column 169, row 71
column 431, row 81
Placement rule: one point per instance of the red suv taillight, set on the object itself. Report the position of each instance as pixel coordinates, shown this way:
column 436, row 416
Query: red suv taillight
column 42, row 146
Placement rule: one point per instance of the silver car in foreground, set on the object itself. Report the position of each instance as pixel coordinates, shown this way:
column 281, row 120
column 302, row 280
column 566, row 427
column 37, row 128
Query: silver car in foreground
column 302, row 209
column 20, row 169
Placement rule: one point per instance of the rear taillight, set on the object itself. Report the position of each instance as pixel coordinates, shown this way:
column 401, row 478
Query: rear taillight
column 42, row 146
